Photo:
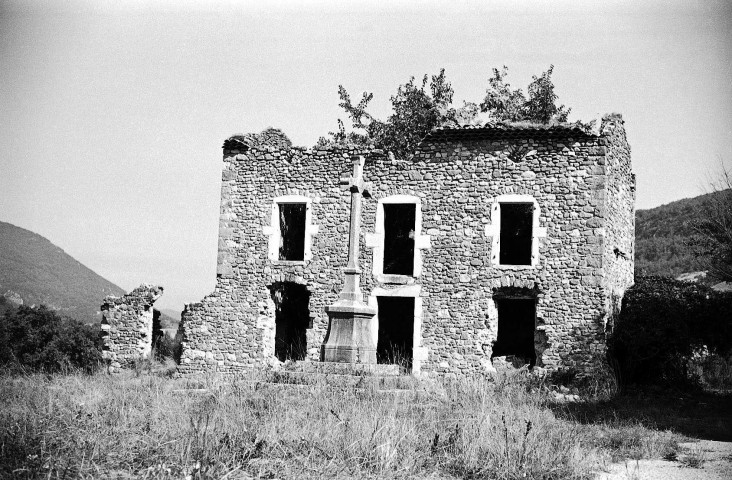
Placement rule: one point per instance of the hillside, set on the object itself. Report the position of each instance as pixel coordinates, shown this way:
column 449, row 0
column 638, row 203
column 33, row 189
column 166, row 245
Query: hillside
column 42, row 273
column 665, row 238
column 169, row 317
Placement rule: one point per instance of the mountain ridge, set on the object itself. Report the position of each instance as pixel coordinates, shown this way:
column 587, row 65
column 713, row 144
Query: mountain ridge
column 42, row 273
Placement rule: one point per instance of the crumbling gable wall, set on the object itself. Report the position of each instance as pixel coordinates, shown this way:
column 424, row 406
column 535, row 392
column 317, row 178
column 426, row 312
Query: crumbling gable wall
column 127, row 326
column 458, row 181
column 619, row 252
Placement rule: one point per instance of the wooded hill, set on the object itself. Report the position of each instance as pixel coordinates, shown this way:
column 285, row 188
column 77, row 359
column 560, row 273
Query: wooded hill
column 665, row 238
column 42, row 273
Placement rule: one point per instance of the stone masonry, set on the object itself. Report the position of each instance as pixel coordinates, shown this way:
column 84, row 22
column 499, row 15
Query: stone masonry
column 578, row 186
column 127, row 326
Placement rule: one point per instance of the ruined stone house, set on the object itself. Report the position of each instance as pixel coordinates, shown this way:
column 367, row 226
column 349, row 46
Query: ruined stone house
column 489, row 244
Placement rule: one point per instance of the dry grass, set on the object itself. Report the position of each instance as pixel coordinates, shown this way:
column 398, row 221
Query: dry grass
column 100, row 427
column 695, row 457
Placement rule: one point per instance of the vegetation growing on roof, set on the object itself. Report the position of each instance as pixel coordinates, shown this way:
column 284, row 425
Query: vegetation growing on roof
column 418, row 108
column 506, row 104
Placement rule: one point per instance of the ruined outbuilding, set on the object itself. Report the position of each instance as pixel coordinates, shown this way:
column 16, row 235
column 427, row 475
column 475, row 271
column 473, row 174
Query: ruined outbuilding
column 490, row 245
column 128, row 326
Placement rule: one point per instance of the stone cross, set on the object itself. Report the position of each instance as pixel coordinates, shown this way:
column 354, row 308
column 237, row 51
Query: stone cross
column 350, row 334
column 358, row 189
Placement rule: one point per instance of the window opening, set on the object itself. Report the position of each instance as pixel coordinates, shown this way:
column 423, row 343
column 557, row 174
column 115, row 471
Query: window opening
column 396, row 331
column 516, row 231
column 399, row 226
column 292, row 231
column 292, row 318
column 516, row 326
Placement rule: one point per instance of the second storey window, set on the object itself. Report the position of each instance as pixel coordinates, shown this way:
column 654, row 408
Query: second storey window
column 399, row 226
column 516, row 233
column 397, row 239
column 292, row 231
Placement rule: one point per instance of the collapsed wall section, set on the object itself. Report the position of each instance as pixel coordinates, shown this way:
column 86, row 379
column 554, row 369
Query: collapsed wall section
column 127, row 326
column 242, row 323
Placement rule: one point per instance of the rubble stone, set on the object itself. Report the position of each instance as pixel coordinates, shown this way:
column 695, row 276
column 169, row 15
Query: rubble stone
column 127, row 326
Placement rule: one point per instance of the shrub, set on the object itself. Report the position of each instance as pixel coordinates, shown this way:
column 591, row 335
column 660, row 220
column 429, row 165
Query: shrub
column 662, row 323
column 713, row 370
column 40, row 339
column 165, row 347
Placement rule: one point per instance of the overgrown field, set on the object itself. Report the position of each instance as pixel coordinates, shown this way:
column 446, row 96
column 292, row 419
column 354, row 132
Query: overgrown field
column 78, row 426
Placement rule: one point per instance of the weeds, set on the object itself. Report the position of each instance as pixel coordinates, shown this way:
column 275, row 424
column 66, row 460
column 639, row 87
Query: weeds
column 632, row 473
column 695, row 457
column 102, row 426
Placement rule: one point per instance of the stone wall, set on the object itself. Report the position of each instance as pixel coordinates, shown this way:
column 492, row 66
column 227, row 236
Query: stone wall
column 565, row 177
column 459, row 180
column 127, row 326
column 619, row 251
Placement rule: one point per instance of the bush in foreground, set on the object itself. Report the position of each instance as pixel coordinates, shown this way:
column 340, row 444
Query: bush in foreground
column 662, row 327
column 40, row 339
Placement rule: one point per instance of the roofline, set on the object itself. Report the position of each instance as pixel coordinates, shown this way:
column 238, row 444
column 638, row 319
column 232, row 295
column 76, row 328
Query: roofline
column 503, row 131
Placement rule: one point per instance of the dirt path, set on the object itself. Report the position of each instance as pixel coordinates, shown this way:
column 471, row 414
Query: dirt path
column 704, row 460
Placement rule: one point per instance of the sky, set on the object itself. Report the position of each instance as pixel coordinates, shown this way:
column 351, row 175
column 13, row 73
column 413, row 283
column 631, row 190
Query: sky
column 112, row 115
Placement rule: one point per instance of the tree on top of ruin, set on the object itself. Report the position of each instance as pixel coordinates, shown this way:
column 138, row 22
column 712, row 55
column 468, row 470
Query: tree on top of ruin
column 505, row 104
column 417, row 109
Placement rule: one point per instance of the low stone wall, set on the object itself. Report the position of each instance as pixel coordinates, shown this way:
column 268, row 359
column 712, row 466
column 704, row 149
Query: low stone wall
column 127, row 326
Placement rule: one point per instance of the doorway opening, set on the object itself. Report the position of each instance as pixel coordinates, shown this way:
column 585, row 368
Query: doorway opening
column 399, row 225
column 516, row 231
column 516, row 327
column 292, row 319
column 396, row 331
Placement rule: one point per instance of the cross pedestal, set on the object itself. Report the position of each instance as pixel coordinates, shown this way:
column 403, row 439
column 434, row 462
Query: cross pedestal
column 350, row 334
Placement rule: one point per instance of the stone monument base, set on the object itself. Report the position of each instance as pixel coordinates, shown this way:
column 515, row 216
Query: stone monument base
column 350, row 338
column 341, row 368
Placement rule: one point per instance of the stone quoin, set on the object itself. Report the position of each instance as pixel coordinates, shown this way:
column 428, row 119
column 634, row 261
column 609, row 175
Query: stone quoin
column 489, row 245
